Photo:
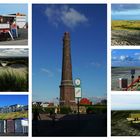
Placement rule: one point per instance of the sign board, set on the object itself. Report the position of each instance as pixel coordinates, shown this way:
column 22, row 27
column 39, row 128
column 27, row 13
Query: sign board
column 4, row 26
column 132, row 71
column 78, row 92
column 24, row 122
column 21, row 21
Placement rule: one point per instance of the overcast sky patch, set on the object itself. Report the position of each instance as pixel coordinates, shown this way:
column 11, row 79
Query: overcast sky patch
column 14, row 52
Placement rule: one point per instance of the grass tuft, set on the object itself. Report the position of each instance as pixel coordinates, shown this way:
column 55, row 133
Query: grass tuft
column 11, row 80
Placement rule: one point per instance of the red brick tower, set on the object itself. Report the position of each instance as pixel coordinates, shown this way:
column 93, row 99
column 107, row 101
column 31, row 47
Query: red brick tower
column 67, row 97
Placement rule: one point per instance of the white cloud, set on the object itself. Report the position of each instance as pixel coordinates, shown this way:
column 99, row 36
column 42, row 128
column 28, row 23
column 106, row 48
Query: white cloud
column 126, row 58
column 13, row 52
column 70, row 17
column 48, row 72
column 137, row 54
column 122, row 57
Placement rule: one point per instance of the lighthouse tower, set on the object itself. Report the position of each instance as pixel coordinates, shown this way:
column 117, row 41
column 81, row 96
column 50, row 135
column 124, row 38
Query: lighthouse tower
column 67, row 97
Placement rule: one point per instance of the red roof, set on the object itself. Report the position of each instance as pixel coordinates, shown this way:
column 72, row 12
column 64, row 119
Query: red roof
column 85, row 101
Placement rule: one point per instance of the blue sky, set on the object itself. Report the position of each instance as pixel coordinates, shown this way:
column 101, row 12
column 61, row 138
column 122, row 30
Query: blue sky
column 125, row 57
column 6, row 100
column 13, row 8
column 87, row 27
column 125, row 102
column 125, row 11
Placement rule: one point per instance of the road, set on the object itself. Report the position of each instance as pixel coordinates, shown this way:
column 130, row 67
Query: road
column 70, row 125
column 15, row 42
column 22, row 38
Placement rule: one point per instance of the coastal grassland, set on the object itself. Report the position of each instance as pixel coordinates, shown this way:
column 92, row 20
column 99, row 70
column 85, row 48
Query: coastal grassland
column 13, row 79
column 131, row 25
column 14, row 115
column 134, row 115
column 120, row 126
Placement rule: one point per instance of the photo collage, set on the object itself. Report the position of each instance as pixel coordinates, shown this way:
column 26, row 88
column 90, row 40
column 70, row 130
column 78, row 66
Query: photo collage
column 70, row 69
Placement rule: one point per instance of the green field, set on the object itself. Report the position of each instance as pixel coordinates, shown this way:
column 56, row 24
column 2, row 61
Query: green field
column 125, row 25
column 14, row 115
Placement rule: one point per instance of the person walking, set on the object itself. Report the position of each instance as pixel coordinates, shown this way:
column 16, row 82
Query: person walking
column 36, row 118
column 53, row 117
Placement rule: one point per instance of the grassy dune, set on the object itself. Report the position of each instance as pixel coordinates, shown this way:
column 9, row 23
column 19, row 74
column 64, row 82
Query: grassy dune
column 13, row 115
column 134, row 115
column 120, row 125
column 125, row 25
column 13, row 79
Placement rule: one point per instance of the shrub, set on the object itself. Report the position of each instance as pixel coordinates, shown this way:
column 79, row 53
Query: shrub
column 65, row 110
column 48, row 110
column 90, row 110
column 37, row 108
column 96, row 109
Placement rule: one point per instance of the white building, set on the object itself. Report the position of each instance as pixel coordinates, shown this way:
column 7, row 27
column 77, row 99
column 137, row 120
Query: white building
column 20, row 19
column 13, row 108
column 45, row 104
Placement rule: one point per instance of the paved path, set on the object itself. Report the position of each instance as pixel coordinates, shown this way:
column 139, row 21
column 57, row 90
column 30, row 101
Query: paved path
column 15, row 42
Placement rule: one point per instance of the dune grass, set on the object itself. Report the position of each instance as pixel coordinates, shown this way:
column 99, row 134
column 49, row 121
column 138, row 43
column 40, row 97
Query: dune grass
column 130, row 25
column 12, row 80
column 134, row 115
column 14, row 115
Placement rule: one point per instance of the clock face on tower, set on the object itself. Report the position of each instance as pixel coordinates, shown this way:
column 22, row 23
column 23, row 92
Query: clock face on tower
column 77, row 82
